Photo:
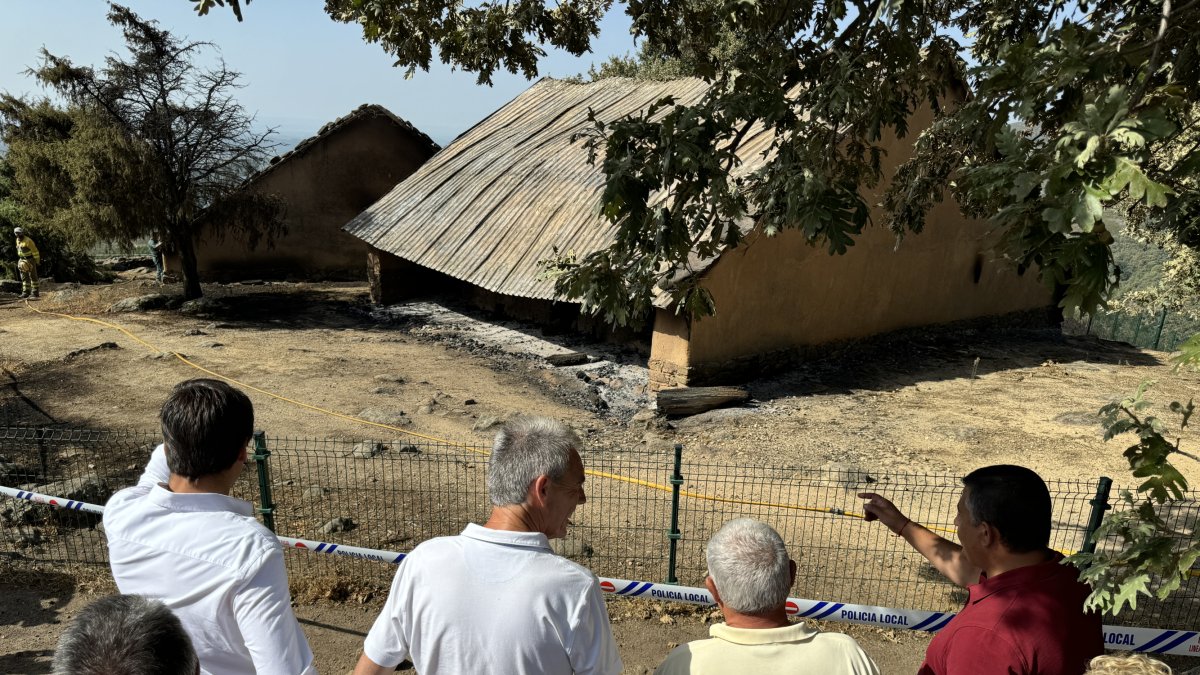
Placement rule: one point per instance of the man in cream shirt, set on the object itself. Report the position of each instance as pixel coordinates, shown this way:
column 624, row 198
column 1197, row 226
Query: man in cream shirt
column 749, row 575
column 178, row 537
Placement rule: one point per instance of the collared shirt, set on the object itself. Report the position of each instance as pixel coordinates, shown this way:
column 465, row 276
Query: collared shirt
column 1025, row 621
column 215, row 566
column 794, row 649
column 498, row 602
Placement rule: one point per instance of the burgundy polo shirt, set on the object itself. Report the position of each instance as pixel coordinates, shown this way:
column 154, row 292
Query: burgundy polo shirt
column 1025, row 621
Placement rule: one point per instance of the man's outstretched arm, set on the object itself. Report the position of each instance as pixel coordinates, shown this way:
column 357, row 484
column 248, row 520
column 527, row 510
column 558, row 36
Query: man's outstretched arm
column 942, row 553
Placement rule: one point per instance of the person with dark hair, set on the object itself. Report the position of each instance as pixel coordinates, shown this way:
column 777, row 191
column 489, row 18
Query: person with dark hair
column 1024, row 612
column 179, row 537
column 125, row 635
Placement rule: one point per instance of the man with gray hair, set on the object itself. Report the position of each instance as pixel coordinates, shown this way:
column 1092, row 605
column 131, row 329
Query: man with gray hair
column 749, row 575
column 125, row 635
column 496, row 598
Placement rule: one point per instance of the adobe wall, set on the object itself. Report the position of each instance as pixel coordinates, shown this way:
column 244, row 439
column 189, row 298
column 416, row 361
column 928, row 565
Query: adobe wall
column 325, row 186
column 777, row 296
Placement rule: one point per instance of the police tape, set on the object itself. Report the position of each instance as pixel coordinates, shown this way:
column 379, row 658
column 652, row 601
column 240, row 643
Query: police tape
column 1121, row 638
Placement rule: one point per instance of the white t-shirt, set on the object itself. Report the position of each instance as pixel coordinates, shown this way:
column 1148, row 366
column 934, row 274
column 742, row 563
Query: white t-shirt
column 792, row 650
column 215, row 566
column 491, row 601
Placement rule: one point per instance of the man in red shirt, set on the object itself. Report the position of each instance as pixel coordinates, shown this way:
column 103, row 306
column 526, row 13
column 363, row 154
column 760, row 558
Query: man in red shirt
column 1024, row 615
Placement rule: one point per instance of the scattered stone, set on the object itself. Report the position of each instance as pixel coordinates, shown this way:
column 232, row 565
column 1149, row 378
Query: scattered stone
column 367, row 449
column 201, row 306
column 394, row 379
column 80, row 352
column 339, row 524
column 193, row 331
column 469, row 401
column 386, row 391
column 425, row 409
column 392, row 418
column 315, row 492
column 406, row 448
column 140, row 303
column 568, row 359
column 252, row 282
column 486, row 422
column 214, row 345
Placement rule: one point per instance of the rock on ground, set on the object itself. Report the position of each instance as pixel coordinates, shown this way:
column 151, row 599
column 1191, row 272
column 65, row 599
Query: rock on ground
column 339, row 524
column 367, row 449
column 140, row 303
column 392, row 418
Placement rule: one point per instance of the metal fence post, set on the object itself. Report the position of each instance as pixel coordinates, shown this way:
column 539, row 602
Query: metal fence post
column 261, row 458
column 43, row 456
column 1137, row 331
column 1162, row 320
column 673, row 535
column 1099, row 506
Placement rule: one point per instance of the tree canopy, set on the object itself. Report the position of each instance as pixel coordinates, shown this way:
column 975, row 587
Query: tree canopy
column 149, row 141
column 1068, row 106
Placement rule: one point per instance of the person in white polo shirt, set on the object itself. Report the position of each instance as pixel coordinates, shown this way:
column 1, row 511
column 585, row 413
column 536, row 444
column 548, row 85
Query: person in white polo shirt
column 496, row 598
column 749, row 575
column 179, row 537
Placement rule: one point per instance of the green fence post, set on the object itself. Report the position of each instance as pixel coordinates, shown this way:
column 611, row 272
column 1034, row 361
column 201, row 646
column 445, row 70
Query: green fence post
column 1162, row 320
column 1099, row 506
column 1116, row 326
column 43, row 456
column 261, row 460
column 1091, row 318
column 1137, row 331
column 673, row 535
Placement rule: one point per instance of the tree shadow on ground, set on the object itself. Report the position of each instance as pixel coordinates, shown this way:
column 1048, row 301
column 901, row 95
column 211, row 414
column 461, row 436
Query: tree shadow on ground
column 905, row 358
column 286, row 308
column 30, row 662
column 36, row 603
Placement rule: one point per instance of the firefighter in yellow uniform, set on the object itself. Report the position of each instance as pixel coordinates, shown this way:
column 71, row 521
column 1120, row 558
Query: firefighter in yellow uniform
column 27, row 262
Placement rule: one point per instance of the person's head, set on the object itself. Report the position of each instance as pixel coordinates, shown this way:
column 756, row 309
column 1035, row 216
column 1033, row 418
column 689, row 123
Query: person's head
column 18, row 231
column 1127, row 664
column 1006, row 506
column 125, row 635
column 535, row 463
column 206, row 425
column 748, row 567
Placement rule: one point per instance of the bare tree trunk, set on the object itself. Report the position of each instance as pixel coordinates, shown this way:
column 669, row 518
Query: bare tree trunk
column 190, row 268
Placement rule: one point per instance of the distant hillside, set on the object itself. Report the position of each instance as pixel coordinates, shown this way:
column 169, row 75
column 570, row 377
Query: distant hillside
column 1140, row 264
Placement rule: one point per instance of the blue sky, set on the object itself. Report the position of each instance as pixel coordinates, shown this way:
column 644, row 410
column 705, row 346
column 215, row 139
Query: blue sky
column 301, row 69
